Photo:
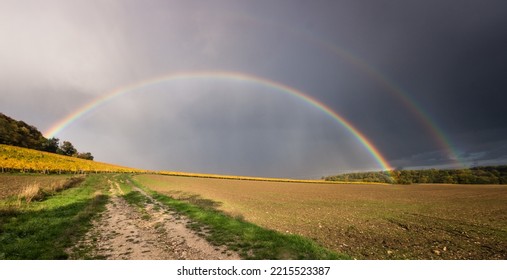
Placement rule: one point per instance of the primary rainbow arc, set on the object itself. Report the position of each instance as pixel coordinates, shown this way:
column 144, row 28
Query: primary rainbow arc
column 72, row 117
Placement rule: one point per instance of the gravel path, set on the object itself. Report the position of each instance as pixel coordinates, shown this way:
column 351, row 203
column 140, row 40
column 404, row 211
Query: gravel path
column 125, row 232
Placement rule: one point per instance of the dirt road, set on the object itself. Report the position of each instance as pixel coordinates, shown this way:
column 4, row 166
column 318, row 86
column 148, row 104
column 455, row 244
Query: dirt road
column 150, row 232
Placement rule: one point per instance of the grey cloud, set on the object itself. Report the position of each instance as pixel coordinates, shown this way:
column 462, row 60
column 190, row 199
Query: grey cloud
column 449, row 58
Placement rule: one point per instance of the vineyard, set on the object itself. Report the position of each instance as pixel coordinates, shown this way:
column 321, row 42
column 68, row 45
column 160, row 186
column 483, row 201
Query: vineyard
column 16, row 159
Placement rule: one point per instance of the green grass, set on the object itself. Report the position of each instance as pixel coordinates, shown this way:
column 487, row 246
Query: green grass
column 44, row 229
column 249, row 240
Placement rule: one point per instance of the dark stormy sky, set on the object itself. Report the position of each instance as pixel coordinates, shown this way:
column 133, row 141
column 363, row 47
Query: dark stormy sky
column 424, row 81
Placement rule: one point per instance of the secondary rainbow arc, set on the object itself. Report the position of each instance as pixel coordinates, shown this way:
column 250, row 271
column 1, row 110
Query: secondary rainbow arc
column 430, row 124
column 410, row 103
column 81, row 111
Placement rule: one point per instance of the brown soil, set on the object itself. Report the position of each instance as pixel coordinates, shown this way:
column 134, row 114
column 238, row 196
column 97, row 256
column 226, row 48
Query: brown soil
column 127, row 232
column 363, row 221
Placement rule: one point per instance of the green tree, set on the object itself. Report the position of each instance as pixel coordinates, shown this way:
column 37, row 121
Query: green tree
column 51, row 145
column 67, row 149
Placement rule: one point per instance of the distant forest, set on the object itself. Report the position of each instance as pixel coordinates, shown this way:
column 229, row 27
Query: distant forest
column 20, row 134
column 474, row 175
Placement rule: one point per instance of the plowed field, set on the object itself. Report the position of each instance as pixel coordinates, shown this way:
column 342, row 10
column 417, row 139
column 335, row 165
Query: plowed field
column 364, row 221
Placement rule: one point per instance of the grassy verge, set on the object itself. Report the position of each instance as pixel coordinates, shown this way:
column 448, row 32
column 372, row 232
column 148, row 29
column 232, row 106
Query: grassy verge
column 249, row 240
column 44, row 229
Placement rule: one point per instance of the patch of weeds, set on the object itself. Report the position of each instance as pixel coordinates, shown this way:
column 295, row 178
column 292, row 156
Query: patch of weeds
column 36, row 192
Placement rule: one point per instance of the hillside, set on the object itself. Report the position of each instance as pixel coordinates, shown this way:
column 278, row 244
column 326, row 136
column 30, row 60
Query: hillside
column 20, row 134
column 17, row 159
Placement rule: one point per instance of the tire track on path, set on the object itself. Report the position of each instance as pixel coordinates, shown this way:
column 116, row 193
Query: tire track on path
column 125, row 232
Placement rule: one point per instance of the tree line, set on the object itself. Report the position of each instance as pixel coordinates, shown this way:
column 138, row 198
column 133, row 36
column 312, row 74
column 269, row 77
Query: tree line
column 21, row 134
column 474, row 175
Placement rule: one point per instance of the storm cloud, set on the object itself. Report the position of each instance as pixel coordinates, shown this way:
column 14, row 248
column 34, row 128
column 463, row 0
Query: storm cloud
column 424, row 81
